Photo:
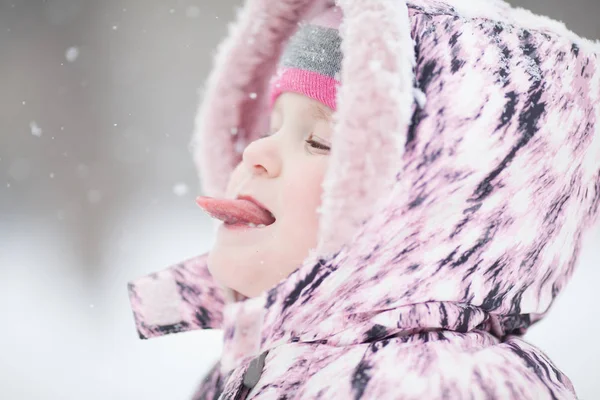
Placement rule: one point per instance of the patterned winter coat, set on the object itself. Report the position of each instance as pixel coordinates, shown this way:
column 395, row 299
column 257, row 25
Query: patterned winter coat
column 465, row 168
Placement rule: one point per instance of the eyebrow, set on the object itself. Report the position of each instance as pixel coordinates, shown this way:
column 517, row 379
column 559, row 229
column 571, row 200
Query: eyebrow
column 319, row 112
column 316, row 110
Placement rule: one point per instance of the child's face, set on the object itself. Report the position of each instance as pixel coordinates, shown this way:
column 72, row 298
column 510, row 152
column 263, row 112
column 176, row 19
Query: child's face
column 284, row 173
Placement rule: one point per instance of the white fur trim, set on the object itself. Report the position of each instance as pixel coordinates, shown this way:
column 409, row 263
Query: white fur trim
column 368, row 139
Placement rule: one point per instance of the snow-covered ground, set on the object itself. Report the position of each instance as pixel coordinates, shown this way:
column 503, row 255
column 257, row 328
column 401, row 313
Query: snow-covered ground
column 65, row 338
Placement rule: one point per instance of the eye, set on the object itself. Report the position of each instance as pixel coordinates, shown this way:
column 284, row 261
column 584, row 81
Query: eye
column 316, row 145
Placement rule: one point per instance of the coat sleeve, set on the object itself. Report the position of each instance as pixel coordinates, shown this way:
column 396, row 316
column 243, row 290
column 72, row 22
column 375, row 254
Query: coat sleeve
column 513, row 370
column 181, row 298
column 472, row 366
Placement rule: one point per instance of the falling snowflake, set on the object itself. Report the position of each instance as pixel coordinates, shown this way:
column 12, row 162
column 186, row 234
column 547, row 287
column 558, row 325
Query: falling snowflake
column 253, row 95
column 375, row 65
column 35, row 129
column 180, row 189
column 239, row 146
column 71, row 54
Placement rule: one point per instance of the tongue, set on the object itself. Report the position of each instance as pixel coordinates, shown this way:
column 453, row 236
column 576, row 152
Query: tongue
column 235, row 211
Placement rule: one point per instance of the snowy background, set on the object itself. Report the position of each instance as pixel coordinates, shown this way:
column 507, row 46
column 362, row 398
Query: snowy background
column 97, row 101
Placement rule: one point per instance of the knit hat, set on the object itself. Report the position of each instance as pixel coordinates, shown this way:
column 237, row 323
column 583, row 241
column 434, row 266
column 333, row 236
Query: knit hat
column 312, row 60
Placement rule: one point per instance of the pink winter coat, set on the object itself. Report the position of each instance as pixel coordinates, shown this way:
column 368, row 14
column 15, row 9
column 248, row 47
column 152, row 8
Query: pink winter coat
column 465, row 168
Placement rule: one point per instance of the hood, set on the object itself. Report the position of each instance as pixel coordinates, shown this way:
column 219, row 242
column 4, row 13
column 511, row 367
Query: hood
column 465, row 168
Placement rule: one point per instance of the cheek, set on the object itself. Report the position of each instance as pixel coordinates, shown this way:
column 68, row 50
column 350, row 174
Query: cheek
column 302, row 193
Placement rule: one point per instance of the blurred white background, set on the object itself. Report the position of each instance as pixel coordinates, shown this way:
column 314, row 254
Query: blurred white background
column 97, row 187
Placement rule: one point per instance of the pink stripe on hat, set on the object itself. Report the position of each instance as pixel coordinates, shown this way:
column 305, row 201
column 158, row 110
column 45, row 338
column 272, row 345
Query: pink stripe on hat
column 311, row 84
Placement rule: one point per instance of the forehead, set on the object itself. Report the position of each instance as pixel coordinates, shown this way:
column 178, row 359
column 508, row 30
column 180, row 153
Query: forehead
column 305, row 106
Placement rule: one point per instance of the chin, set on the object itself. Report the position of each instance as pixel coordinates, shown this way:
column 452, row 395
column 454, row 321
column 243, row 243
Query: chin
column 228, row 271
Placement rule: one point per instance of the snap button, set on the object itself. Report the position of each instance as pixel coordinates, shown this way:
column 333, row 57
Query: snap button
column 254, row 371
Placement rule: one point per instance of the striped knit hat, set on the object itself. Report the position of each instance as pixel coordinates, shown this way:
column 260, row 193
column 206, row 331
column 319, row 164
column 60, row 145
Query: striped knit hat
column 312, row 60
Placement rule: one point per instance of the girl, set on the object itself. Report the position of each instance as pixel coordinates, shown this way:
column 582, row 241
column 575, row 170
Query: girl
column 390, row 222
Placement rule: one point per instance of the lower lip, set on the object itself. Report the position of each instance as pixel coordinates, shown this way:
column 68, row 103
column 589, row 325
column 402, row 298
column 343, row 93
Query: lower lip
column 237, row 227
column 243, row 231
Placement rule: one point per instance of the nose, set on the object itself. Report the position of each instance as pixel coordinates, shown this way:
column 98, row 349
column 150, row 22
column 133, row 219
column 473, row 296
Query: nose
column 262, row 157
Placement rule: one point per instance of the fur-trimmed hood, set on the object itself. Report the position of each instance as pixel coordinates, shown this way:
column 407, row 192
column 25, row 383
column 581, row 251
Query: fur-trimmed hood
column 465, row 168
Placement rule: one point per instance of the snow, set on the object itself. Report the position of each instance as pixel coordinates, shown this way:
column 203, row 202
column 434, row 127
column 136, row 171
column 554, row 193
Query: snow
column 88, row 347
column 72, row 53
column 35, row 129
column 180, row 189
column 375, row 65
column 239, row 146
